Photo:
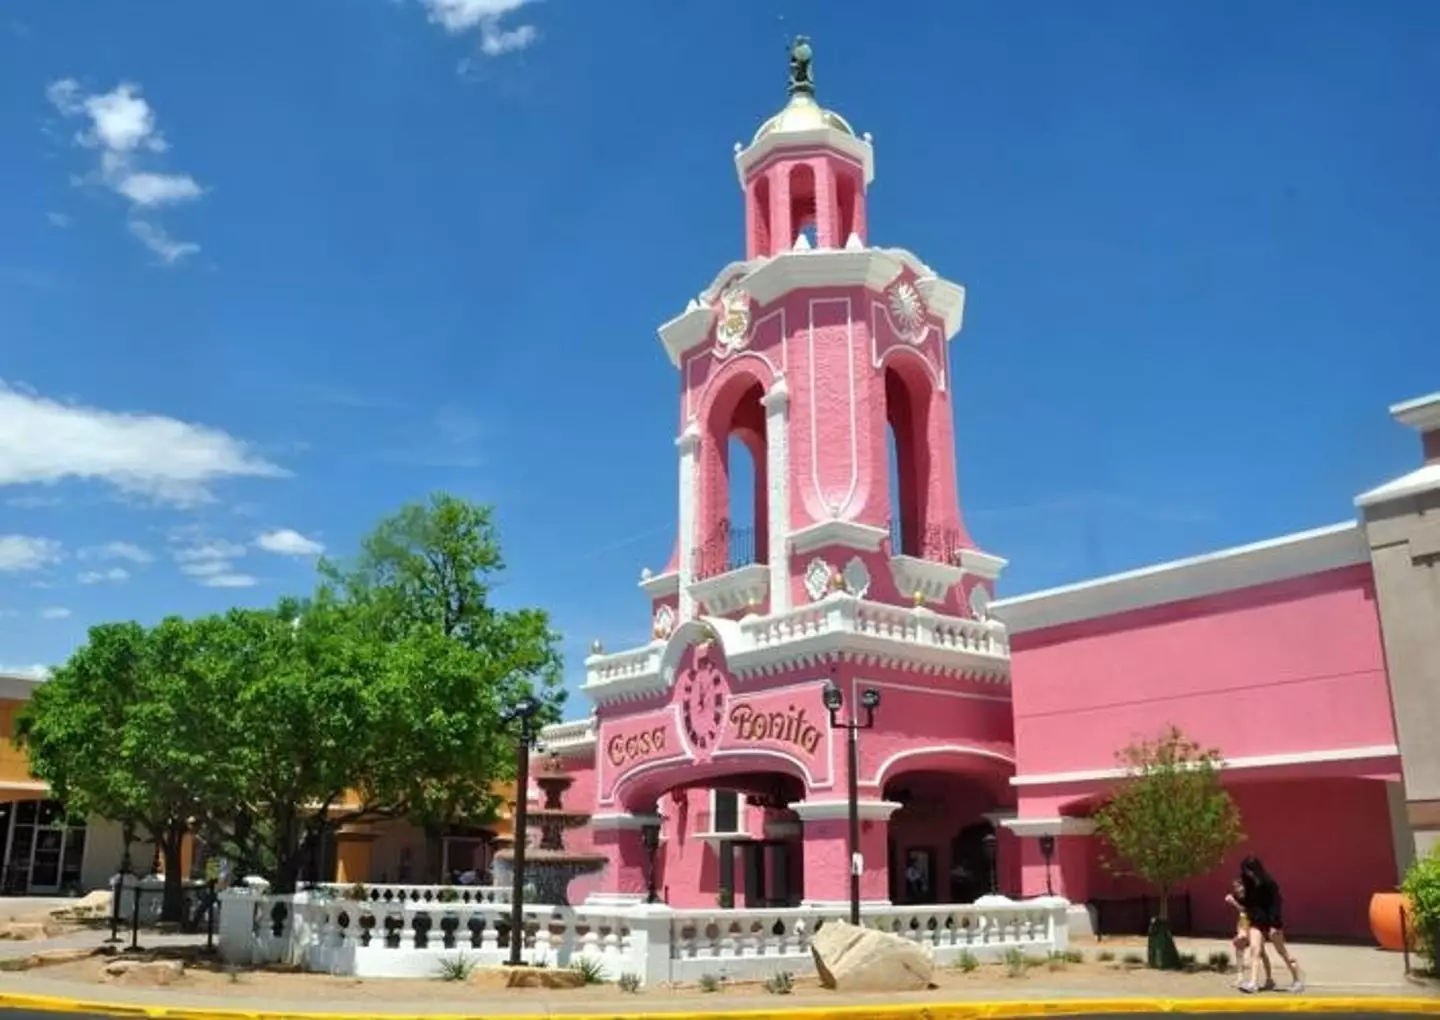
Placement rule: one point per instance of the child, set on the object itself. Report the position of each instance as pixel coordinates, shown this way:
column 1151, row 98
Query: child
column 1241, row 941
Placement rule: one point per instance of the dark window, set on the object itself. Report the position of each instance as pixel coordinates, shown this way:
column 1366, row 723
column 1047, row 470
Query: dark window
column 727, row 811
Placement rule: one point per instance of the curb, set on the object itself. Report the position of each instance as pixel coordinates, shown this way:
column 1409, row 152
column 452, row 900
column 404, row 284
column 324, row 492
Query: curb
column 1011, row 1010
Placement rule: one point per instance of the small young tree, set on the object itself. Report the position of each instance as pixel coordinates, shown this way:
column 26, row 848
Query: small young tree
column 1168, row 821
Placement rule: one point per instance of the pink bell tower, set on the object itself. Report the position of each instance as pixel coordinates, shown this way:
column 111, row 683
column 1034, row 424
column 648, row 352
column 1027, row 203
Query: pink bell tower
column 825, row 357
column 848, row 576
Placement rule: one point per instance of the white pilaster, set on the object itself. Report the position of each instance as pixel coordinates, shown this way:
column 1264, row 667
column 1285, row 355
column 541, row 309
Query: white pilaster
column 777, row 469
column 689, row 446
column 1401, row 837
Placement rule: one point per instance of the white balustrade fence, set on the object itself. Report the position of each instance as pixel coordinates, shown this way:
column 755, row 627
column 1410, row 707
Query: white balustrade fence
column 415, row 937
column 432, row 894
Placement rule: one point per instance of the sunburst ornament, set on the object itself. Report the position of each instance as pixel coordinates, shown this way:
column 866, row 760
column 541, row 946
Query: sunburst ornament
column 907, row 311
column 732, row 327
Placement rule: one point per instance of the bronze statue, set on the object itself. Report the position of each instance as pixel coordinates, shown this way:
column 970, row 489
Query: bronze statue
column 802, row 78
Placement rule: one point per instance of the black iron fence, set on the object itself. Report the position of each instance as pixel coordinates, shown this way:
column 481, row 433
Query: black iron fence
column 912, row 537
column 132, row 903
column 726, row 548
column 1122, row 917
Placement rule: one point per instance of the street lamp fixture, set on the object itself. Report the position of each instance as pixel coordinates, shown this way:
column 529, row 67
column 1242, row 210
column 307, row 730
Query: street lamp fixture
column 834, row 700
column 522, row 717
column 650, row 840
column 987, row 846
column 1047, row 851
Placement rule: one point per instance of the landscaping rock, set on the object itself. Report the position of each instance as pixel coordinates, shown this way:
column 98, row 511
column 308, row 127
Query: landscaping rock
column 851, row 959
column 92, row 904
column 48, row 958
column 144, row 973
column 553, row 978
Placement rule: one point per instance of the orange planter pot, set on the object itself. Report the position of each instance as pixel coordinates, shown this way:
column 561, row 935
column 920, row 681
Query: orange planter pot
column 1385, row 922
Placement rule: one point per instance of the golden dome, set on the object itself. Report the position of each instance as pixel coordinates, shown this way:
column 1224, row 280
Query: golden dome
column 802, row 113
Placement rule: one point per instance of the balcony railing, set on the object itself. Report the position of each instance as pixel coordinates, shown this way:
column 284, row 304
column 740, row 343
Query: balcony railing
column 924, row 541
column 727, row 548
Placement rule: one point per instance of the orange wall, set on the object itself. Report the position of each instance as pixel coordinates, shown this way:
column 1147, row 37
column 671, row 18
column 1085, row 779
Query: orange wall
column 14, row 764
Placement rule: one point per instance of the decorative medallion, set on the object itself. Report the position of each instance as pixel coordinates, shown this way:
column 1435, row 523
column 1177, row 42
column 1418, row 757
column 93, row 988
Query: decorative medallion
column 817, row 579
column 732, row 328
column 664, row 623
column 702, row 708
column 857, row 577
column 907, row 311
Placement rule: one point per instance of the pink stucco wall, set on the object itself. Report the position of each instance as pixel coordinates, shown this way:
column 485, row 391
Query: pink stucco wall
column 1295, row 666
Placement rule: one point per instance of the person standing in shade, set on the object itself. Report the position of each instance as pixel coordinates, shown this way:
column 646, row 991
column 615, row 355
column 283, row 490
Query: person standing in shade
column 1263, row 906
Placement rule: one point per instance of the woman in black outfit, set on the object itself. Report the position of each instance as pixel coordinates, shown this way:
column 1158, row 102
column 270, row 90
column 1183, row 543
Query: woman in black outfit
column 1263, row 905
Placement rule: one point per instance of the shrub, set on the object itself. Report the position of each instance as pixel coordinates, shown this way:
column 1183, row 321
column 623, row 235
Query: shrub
column 629, row 983
column 709, row 983
column 448, row 895
column 1219, row 961
column 1189, row 961
column 1056, row 961
column 1105, row 955
column 1422, row 887
column 1073, row 956
column 456, row 968
column 967, row 961
column 591, row 969
column 1133, row 959
column 1015, row 963
column 780, row 983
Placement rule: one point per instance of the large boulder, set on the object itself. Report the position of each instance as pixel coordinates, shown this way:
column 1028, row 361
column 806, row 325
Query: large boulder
column 851, row 959
column 144, row 973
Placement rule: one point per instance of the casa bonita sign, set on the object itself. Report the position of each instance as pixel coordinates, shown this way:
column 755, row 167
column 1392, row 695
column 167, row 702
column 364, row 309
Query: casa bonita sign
column 790, row 723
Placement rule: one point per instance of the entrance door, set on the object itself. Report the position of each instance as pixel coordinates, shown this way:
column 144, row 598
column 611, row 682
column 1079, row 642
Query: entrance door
column 970, row 868
column 45, row 861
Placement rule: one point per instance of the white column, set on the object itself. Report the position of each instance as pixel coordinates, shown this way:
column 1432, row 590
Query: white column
column 1401, row 838
column 689, row 446
column 777, row 499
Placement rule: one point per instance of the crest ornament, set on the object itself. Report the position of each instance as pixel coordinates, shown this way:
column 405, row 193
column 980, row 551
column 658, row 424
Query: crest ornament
column 856, row 577
column 907, row 311
column 664, row 623
column 817, row 579
column 732, row 327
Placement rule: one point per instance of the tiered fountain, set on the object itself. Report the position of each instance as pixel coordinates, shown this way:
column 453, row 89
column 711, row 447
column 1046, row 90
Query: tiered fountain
column 549, row 867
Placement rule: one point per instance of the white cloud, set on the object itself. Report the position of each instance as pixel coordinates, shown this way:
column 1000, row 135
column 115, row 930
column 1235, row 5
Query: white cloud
column 117, row 551
column 35, row 672
column 113, row 575
column 288, row 542
column 32, row 502
column 55, row 613
column 459, row 17
column 58, row 219
column 172, row 461
column 21, row 552
column 229, row 581
column 121, row 126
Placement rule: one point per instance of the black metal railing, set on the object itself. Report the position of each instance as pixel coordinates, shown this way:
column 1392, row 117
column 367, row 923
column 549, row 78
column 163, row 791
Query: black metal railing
column 727, row 548
column 1132, row 916
column 936, row 542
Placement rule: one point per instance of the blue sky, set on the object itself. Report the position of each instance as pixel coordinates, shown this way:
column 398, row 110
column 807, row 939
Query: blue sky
column 268, row 271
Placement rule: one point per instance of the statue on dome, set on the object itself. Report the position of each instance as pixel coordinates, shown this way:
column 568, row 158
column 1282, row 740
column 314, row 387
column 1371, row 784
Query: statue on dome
column 801, row 57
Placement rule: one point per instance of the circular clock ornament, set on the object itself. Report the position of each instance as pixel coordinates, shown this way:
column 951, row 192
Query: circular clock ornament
column 703, row 697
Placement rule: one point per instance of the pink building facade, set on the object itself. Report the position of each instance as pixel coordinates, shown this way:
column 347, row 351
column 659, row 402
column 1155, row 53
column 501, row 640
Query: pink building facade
column 710, row 762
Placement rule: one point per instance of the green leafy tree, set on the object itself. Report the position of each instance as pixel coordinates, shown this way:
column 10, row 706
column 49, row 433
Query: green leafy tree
column 1422, row 888
column 1169, row 820
column 122, row 731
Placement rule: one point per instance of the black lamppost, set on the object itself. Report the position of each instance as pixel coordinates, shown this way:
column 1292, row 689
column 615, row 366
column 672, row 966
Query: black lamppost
column 650, row 839
column 522, row 716
column 987, row 846
column 834, row 701
column 128, row 833
column 1047, row 851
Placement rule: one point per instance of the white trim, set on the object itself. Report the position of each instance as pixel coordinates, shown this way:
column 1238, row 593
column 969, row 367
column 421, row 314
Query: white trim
column 621, row 821
column 19, row 686
column 1401, row 838
column 849, row 534
column 777, row 496
column 828, row 141
column 732, row 591
column 843, row 905
column 570, row 739
column 1277, row 559
column 931, row 580
column 741, row 816
column 1422, row 413
column 1421, row 480
column 659, row 586
column 1261, row 761
column 1050, row 826
column 878, row 777
column 983, row 565
column 830, row 810
column 999, row 817
column 689, row 444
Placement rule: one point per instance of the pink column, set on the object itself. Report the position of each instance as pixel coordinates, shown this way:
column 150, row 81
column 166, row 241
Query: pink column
column 825, row 850
column 618, row 836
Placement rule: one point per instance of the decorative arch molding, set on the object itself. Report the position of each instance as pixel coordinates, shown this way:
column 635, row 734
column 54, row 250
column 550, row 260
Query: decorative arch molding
column 990, row 762
column 638, row 791
column 900, row 350
column 725, row 633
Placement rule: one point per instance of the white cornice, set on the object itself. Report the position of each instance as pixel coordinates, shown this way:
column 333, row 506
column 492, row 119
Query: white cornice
column 831, row 810
column 850, row 534
column 1262, row 761
column 569, row 738
column 1422, row 414
column 927, row 578
column 1059, row 826
column 1416, row 483
column 822, row 140
column 659, row 586
column 840, row 627
column 769, row 279
column 982, row 565
column 723, row 594
column 19, row 686
column 612, row 822
column 1278, row 559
